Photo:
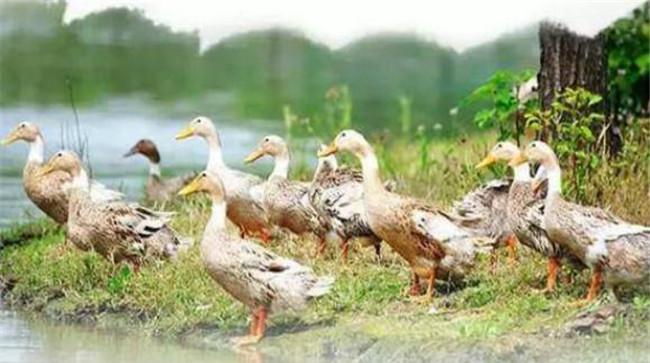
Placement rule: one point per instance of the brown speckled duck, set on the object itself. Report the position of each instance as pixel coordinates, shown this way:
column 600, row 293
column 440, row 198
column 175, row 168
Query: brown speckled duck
column 244, row 209
column 618, row 252
column 484, row 210
column 46, row 191
column 116, row 230
column 158, row 189
column 524, row 212
column 263, row 281
column 287, row 202
column 337, row 195
column 392, row 217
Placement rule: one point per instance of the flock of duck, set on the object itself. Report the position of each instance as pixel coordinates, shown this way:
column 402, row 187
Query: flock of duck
column 339, row 204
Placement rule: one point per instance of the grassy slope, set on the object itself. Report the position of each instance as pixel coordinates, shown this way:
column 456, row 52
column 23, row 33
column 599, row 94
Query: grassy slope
column 170, row 298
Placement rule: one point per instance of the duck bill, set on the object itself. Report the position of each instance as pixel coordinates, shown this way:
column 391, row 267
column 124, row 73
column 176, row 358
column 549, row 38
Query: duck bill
column 489, row 160
column 190, row 188
column 518, row 160
column 10, row 139
column 131, row 152
column 327, row 151
column 254, row 156
column 46, row 170
column 185, row 133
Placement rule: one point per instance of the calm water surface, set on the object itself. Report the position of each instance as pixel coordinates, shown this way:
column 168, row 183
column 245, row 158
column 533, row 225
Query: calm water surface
column 25, row 340
column 111, row 129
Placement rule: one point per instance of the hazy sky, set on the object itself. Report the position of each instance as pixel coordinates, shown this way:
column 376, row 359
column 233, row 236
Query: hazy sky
column 457, row 23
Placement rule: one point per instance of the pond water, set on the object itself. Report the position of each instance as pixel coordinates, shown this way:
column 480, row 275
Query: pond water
column 24, row 340
column 111, row 129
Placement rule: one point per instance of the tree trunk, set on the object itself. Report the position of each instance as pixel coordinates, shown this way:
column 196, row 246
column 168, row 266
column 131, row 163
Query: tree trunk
column 569, row 60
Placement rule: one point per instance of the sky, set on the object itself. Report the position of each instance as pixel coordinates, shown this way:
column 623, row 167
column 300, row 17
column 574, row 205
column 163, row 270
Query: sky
column 459, row 24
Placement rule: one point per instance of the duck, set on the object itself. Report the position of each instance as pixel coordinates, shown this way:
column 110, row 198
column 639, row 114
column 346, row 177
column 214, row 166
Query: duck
column 616, row 251
column 264, row 282
column 158, row 189
column 116, row 230
column 484, row 210
column 391, row 217
column 460, row 253
column 46, row 191
column 337, row 195
column 286, row 201
column 245, row 210
column 524, row 212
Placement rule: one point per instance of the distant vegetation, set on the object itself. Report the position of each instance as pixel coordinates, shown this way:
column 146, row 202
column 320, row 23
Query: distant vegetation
column 120, row 51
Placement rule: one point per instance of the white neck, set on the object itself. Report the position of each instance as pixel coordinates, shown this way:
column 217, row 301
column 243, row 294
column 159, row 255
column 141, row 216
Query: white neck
column 554, row 176
column 370, row 170
column 215, row 158
column 36, row 150
column 154, row 169
column 217, row 220
column 522, row 172
column 81, row 180
column 281, row 167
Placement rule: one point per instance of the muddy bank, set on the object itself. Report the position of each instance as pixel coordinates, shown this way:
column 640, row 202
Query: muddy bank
column 590, row 336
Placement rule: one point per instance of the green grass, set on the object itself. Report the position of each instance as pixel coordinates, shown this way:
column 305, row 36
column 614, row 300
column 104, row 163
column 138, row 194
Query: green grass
column 170, row 298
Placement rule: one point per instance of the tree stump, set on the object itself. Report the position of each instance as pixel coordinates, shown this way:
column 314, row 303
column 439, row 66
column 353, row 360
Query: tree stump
column 569, row 60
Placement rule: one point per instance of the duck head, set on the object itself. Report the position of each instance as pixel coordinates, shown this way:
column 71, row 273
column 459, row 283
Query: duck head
column 25, row 131
column 271, row 145
column 146, row 148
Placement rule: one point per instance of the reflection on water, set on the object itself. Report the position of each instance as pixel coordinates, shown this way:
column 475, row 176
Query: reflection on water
column 111, row 130
column 27, row 341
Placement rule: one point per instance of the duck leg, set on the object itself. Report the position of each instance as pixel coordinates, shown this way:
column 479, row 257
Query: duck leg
column 266, row 236
column 594, row 286
column 596, row 283
column 257, row 328
column 511, row 242
column 378, row 251
column 552, row 268
column 345, row 246
column 322, row 244
column 414, row 290
column 431, row 286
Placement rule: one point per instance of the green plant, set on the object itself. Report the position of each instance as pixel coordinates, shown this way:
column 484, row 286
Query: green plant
column 571, row 127
column 628, row 61
column 498, row 93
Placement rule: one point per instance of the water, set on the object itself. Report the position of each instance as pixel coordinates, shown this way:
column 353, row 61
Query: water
column 111, row 129
column 36, row 341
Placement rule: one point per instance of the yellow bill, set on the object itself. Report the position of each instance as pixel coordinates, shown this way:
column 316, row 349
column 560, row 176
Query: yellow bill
column 518, row 160
column 190, row 188
column 328, row 150
column 47, row 168
column 489, row 160
column 185, row 133
column 256, row 154
column 9, row 139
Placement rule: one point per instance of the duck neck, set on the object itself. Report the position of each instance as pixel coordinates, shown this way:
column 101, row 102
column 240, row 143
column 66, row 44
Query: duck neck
column 522, row 172
column 215, row 158
column 79, row 189
column 217, row 222
column 554, row 176
column 370, row 169
column 281, row 167
column 154, row 169
column 36, row 150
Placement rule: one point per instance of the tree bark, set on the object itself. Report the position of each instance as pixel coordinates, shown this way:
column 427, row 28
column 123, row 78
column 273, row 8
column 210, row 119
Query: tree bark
column 569, row 60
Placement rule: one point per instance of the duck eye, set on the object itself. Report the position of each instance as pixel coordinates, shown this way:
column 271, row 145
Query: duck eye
column 499, row 146
column 59, row 155
column 342, row 134
column 266, row 139
column 422, row 220
column 22, row 126
column 198, row 121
